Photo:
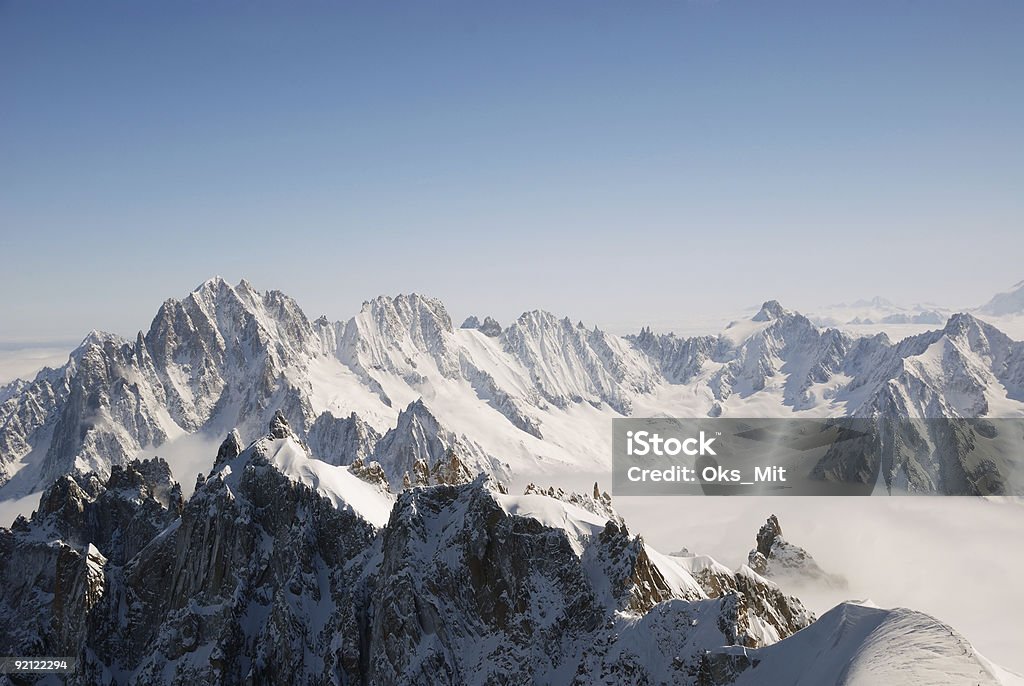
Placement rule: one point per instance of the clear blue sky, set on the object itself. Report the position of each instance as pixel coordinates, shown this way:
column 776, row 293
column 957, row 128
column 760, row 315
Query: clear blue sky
column 608, row 161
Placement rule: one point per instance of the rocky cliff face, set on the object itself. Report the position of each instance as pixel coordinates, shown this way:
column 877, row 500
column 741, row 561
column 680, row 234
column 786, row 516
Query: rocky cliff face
column 240, row 584
column 60, row 568
column 342, row 441
column 419, row 447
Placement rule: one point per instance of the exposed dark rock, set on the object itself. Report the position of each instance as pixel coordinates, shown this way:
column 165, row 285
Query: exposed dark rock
column 777, row 558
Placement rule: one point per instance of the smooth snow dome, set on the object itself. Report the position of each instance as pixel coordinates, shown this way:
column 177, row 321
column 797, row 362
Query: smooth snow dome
column 869, row 646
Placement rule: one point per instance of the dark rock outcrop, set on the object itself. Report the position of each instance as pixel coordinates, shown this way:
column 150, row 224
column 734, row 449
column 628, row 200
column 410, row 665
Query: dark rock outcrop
column 777, row 558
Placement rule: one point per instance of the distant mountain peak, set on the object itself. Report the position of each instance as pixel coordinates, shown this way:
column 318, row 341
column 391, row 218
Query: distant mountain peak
column 215, row 281
column 770, row 311
column 1008, row 302
column 776, row 557
column 961, row 323
column 279, row 427
column 229, row 449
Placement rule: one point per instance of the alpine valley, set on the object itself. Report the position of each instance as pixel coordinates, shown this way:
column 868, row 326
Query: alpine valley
column 356, row 524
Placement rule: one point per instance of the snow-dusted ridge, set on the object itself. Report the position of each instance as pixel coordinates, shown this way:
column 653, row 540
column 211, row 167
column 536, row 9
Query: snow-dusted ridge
column 862, row 645
column 285, row 454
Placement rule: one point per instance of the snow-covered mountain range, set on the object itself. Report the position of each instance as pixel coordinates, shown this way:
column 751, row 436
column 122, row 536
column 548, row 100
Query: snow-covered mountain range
column 355, row 524
column 879, row 310
column 399, row 384
column 284, row 569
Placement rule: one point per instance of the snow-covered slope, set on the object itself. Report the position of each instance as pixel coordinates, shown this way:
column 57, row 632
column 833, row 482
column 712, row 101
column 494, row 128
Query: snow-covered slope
column 282, row 452
column 861, row 645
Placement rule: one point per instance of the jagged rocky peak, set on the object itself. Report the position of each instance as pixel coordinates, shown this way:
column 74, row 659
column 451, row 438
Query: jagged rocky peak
column 118, row 515
column 228, row 342
column 489, row 326
column 769, row 532
column 229, row 449
column 681, row 359
column 371, row 473
column 97, row 338
column 645, row 337
column 421, row 448
column 218, row 317
column 513, row 598
column 770, row 311
column 66, row 497
column 408, row 311
column 944, row 373
column 777, row 558
column 462, row 580
column 151, row 478
column 398, row 335
column 279, row 427
column 341, row 440
column 215, row 358
column 979, row 335
column 637, row 584
column 570, row 364
column 447, row 471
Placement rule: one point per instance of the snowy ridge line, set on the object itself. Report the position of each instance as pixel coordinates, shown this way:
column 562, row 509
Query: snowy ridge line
column 398, row 383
